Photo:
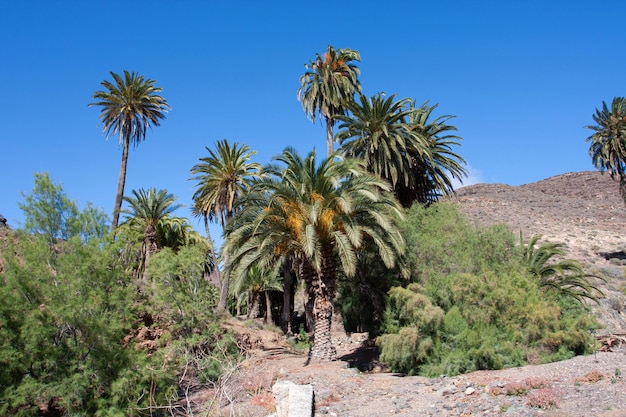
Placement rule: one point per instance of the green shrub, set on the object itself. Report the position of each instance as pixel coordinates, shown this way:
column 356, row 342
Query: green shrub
column 477, row 305
column 69, row 326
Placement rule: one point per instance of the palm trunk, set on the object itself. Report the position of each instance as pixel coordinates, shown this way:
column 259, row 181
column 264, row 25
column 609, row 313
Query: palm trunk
column 214, row 276
column 121, row 182
column 323, row 289
column 622, row 187
column 287, row 311
column 329, row 135
column 223, row 304
column 149, row 237
column 310, row 282
column 253, row 304
column 268, row 308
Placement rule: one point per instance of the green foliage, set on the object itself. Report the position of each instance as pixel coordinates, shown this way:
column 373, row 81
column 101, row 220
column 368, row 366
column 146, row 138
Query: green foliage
column 361, row 298
column 49, row 212
column 301, row 341
column 181, row 300
column 410, row 322
column 63, row 330
column 477, row 305
column 68, row 329
column 442, row 241
column 206, row 354
column 565, row 276
column 178, row 292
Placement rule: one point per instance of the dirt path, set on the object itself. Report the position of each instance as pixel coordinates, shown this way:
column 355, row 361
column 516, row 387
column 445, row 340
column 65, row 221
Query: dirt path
column 580, row 387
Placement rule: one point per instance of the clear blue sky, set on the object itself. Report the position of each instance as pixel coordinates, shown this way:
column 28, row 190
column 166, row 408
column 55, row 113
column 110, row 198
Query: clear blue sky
column 521, row 77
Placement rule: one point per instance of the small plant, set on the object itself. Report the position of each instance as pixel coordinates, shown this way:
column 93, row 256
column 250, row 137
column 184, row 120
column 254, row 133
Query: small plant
column 301, row 341
column 544, row 398
column 518, row 389
column 264, row 400
column 617, row 376
column 536, row 383
column 504, row 407
column 593, row 376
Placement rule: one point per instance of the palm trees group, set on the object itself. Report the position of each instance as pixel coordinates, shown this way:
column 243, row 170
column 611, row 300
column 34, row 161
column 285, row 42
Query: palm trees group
column 401, row 145
column 395, row 138
column 316, row 216
column 299, row 216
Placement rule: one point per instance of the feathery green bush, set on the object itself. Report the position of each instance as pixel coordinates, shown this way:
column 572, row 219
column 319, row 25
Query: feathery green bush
column 473, row 303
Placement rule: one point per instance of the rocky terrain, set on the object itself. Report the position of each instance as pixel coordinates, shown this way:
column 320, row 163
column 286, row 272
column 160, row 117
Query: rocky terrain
column 582, row 210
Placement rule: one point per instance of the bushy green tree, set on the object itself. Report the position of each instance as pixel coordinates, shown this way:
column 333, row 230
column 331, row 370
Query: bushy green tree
column 474, row 304
column 63, row 328
column 72, row 335
column 48, row 211
column 182, row 303
column 178, row 292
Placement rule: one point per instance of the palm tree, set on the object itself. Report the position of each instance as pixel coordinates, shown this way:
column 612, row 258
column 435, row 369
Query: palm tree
column 566, row 276
column 328, row 85
column 222, row 179
column 128, row 107
column 258, row 281
column 608, row 144
column 319, row 216
column 377, row 131
column 433, row 169
column 149, row 210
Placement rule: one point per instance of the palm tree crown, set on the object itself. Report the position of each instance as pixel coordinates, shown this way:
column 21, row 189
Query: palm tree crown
column 319, row 216
column 129, row 106
column 222, row 178
column 328, row 86
column 377, row 131
column 608, row 142
column 433, row 169
column 565, row 276
column 151, row 211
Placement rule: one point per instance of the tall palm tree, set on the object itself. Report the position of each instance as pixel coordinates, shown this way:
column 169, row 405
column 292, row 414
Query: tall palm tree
column 328, row 85
column 566, row 276
column 433, row 170
column 318, row 215
column 222, row 179
column 129, row 106
column 608, row 144
column 377, row 131
column 148, row 209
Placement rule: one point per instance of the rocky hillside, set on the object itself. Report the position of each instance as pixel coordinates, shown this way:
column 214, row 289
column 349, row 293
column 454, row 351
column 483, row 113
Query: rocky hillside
column 583, row 210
